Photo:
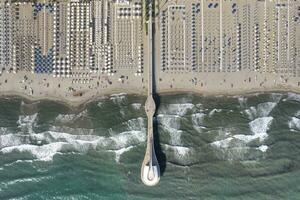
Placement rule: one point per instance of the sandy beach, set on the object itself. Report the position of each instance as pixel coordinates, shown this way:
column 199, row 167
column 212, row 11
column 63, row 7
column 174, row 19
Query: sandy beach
column 83, row 84
column 44, row 87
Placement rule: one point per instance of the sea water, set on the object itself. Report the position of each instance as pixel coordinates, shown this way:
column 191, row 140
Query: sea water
column 242, row 147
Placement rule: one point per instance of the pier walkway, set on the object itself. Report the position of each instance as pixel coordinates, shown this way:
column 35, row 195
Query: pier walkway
column 150, row 172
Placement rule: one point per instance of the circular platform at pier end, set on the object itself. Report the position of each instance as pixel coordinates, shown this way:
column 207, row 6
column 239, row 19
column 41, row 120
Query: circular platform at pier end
column 150, row 176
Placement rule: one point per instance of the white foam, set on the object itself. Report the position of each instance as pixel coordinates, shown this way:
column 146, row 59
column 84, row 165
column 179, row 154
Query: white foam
column 263, row 148
column 213, row 111
column 27, row 122
column 26, row 119
column 292, row 97
column 99, row 104
column 27, row 180
column 119, row 152
column 229, row 147
column 236, row 146
column 118, row 98
column 119, row 94
column 56, row 142
column 136, row 106
column 260, row 126
column 43, row 153
column 294, row 123
column 197, row 121
column 276, row 97
column 244, row 138
column 4, row 130
column 171, row 123
column 17, row 161
column 136, row 124
column 225, row 143
column 179, row 151
column 182, row 151
column 129, row 137
column 176, row 109
column 10, row 140
column 199, row 105
column 251, row 112
column 262, row 110
column 297, row 114
column 175, row 137
column 242, row 101
column 122, row 112
column 67, row 118
column 169, row 118
column 74, row 131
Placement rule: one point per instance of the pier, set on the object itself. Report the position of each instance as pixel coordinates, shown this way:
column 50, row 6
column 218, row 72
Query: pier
column 150, row 172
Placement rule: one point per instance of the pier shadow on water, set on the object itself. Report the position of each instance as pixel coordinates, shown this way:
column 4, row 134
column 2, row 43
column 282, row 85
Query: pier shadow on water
column 160, row 155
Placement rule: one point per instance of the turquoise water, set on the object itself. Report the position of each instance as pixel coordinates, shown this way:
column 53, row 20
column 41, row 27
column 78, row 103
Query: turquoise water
column 244, row 147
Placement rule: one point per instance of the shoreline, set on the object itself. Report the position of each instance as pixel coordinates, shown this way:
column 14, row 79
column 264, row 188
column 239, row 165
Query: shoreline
column 249, row 92
column 74, row 105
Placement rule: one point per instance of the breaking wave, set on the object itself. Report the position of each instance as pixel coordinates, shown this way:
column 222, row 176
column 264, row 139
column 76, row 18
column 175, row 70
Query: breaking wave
column 26, row 180
column 263, row 148
column 294, row 123
column 261, row 110
column 292, row 97
column 119, row 152
column 171, row 124
column 174, row 119
column 4, row 130
column 242, row 101
column 180, row 154
column 197, row 121
column 260, row 126
column 74, row 131
column 136, row 106
column 67, row 118
column 27, row 122
column 276, row 97
column 213, row 111
column 43, row 146
column 235, row 146
column 118, row 98
column 136, row 124
column 176, row 109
